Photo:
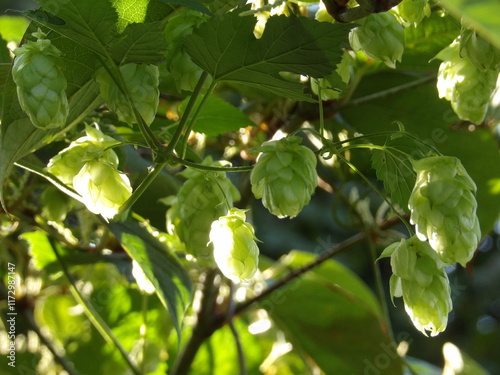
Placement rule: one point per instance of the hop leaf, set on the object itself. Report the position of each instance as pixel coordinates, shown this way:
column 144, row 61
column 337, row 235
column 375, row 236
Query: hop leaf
column 381, row 37
column 419, row 277
column 103, row 188
column 443, row 208
column 41, row 83
column 142, row 82
column 467, row 87
column 199, row 202
column 285, row 176
column 235, row 250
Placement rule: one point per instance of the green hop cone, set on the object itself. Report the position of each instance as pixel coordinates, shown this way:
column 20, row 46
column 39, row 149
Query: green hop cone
column 466, row 87
column 380, row 36
column 142, row 83
column 199, row 202
column 284, row 176
column 102, row 187
column 481, row 53
column 419, row 277
column 184, row 72
column 41, row 83
column 443, row 208
column 69, row 161
column 411, row 12
column 235, row 250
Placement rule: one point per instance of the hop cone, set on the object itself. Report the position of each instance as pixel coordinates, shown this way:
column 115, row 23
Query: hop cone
column 184, row 72
column 285, row 176
column 464, row 85
column 200, row 201
column 235, row 250
column 380, row 37
column 41, row 83
column 443, row 208
column 411, row 12
column 68, row 163
column 103, row 188
column 419, row 277
column 142, row 82
column 481, row 53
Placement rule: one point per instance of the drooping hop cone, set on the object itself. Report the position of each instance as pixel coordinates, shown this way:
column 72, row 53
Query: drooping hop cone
column 443, row 208
column 41, row 83
column 103, row 188
column 419, row 277
column 284, row 176
column 411, row 12
column 69, row 161
column 465, row 86
column 199, row 202
column 481, row 53
column 380, row 36
column 142, row 83
column 235, row 250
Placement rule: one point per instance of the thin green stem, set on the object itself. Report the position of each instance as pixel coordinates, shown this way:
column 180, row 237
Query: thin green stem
column 379, row 283
column 321, row 115
column 377, row 190
column 92, row 313
column 179, row 131
column 154, row 172
column 49, row 177
column 201, row 167
column 144, row 330
column 234, row 331
column 192, row 122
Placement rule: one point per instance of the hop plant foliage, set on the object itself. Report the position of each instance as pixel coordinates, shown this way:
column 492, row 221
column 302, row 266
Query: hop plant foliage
column 467, row 87
column 443, row 208
column 40, row 82
column 381, row 37
column 419, row 277
column 142, row 83
column 199, row 202
column 235, row 250
column 284, row 176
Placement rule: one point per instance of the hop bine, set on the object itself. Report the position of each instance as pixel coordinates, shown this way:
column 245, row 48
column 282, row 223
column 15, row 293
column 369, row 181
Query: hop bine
column 285, row 176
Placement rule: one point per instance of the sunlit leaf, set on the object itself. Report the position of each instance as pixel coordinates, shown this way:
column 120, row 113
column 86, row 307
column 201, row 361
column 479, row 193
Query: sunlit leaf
column 166, row 273
column 226, row 48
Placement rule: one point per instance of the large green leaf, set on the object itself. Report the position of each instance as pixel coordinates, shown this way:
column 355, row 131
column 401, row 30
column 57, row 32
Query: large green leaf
column 226, row 48
column 163, row 269
column 432, row 120
column 218, row 116
column 333, row 316
column 394, row 168
column 483, row 16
